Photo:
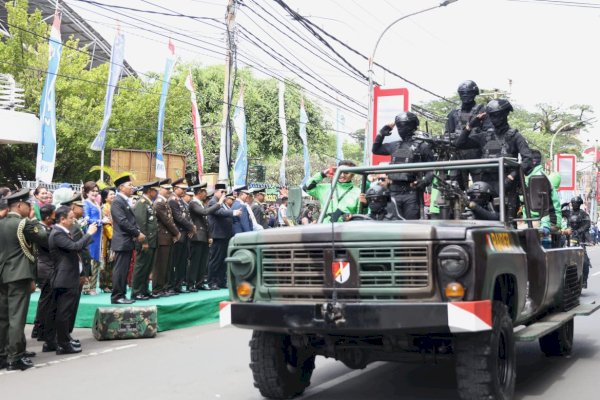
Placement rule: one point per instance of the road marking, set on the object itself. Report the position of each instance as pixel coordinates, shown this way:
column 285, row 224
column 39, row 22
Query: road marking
column 77, row 357
column 596, row 274
column 313, row 391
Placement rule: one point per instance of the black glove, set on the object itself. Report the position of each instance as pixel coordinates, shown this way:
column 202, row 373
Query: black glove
column 474, row 122
column 421, row 184
column 385, row 131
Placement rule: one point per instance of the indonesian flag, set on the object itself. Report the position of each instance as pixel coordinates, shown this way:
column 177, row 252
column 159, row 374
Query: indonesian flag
column 591, row 154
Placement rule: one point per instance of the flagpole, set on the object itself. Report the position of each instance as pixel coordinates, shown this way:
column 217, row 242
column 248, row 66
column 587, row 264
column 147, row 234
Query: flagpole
column 102, row 165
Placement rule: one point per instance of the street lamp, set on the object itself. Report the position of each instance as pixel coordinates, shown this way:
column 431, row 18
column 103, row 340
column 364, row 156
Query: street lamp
column 554, row 137
column 369, row 128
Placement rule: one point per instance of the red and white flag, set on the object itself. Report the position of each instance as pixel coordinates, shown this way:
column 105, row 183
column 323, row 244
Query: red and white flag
column 591, row 154
column 189, row 84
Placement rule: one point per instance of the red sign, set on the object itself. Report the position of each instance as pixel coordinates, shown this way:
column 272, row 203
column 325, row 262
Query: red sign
column 387, row 103
column 565, row 166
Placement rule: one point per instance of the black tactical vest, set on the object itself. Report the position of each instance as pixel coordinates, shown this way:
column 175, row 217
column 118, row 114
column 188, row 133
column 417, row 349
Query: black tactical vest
column 497, row 145
column 406, row 152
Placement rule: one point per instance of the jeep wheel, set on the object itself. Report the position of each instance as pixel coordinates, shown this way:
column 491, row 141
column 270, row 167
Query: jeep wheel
column 558, row 342
column 486, row 361
column 280, row 370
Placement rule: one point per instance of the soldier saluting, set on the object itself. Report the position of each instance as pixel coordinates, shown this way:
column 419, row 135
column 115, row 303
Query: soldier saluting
column 17, row 273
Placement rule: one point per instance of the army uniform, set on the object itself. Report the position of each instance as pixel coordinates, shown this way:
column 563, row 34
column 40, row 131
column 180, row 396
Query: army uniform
column 579, row 222
column 180, row 251
column 260, row 214
column 145, row 216
column 167, row 231
column 45, row 268
column 17, row 272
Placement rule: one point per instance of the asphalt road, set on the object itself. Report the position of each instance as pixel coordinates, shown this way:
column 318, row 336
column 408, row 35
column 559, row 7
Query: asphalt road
column 207, row 362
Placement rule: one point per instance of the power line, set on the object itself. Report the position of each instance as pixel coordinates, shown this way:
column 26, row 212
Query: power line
column 96, row 3
column 343, row 68
column 299, row 75
column 312, row 27
column 574, row 4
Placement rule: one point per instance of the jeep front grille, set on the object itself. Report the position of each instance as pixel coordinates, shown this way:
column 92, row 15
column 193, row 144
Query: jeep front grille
column 396, row 267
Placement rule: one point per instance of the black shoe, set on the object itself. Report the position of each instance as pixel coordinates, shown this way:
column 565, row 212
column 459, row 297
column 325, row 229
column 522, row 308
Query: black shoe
column 67, row 349
column 192, row 289
column 73, row 340
column 164, row 294
column 29, row 354
column 48, row 347
column 204, row 286
column 21, row 364
column 154, row 295
column 35, row 332
column 172, row 292
column 123, row 300
column 141, row 297
column 76, row 344
column 214, row 286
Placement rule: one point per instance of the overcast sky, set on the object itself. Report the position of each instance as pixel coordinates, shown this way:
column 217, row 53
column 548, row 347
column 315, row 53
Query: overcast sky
column 547, row 51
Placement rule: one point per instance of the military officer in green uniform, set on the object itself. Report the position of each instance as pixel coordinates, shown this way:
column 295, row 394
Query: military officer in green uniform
column 17, row 273
column 145, row 252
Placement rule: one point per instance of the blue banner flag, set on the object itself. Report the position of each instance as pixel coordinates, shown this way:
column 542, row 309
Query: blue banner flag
column 161, row 171
column 240, row 168
column 302, row 133
column 46, row 151
column 116, row 66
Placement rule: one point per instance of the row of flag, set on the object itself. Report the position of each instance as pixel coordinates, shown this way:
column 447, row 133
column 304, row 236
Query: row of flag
column 46, row 155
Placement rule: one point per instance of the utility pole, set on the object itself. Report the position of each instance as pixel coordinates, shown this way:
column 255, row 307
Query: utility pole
column 225, row 148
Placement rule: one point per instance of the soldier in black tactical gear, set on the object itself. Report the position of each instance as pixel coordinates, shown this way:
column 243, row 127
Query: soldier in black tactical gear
column 405, row 188
column 578, row 227
column 456, row 123
column 481, row 197
column 500, row 141
column 381, row 206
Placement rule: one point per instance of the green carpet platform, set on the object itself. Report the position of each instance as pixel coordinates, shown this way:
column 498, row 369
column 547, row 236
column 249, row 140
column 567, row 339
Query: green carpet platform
column 174, row 312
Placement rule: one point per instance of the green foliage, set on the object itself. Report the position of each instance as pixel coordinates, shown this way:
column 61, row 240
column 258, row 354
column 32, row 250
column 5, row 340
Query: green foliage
column 80, row 92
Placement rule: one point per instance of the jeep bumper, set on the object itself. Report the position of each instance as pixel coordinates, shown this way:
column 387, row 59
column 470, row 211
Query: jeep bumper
column 359, row 318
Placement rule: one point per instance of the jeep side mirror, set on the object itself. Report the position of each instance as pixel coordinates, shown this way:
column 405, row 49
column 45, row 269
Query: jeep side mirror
column 539, row 194
column 294, row 202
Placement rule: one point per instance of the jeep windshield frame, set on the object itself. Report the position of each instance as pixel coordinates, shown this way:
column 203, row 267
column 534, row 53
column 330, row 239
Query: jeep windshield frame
column 438, row 166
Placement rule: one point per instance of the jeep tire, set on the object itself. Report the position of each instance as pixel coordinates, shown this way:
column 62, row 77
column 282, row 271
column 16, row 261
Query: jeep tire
column 280, row 370
column 486, row 361
column 559, row 342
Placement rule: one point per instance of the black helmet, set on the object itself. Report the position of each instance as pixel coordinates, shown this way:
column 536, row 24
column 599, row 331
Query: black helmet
column 498, row 105
column 377, row 197
column 577, row 200
column 468, row 87
column 481, row 191
column 407, row 118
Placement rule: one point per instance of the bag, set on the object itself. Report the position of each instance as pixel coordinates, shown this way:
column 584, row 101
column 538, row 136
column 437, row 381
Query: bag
column 125, row 323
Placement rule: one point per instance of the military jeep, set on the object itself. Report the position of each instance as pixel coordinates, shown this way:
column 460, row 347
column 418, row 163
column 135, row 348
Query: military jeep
column 364, row 290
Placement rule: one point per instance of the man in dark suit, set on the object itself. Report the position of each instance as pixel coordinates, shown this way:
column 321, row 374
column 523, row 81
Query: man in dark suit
column 180, row 251
column 145, row 253
column 198, row 270
column 220, row 223
column 241, row 223
column 125, row 233
column 68, row 265
column 167, row 235
column 77, row 232
column 17, row 271
column 45, row 269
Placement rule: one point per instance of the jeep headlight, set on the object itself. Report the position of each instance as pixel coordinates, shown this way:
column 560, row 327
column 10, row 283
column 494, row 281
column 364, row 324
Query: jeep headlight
column 453, row 261
column 241, row 263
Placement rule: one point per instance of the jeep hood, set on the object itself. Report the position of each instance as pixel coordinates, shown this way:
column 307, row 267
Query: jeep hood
column 361, row 231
